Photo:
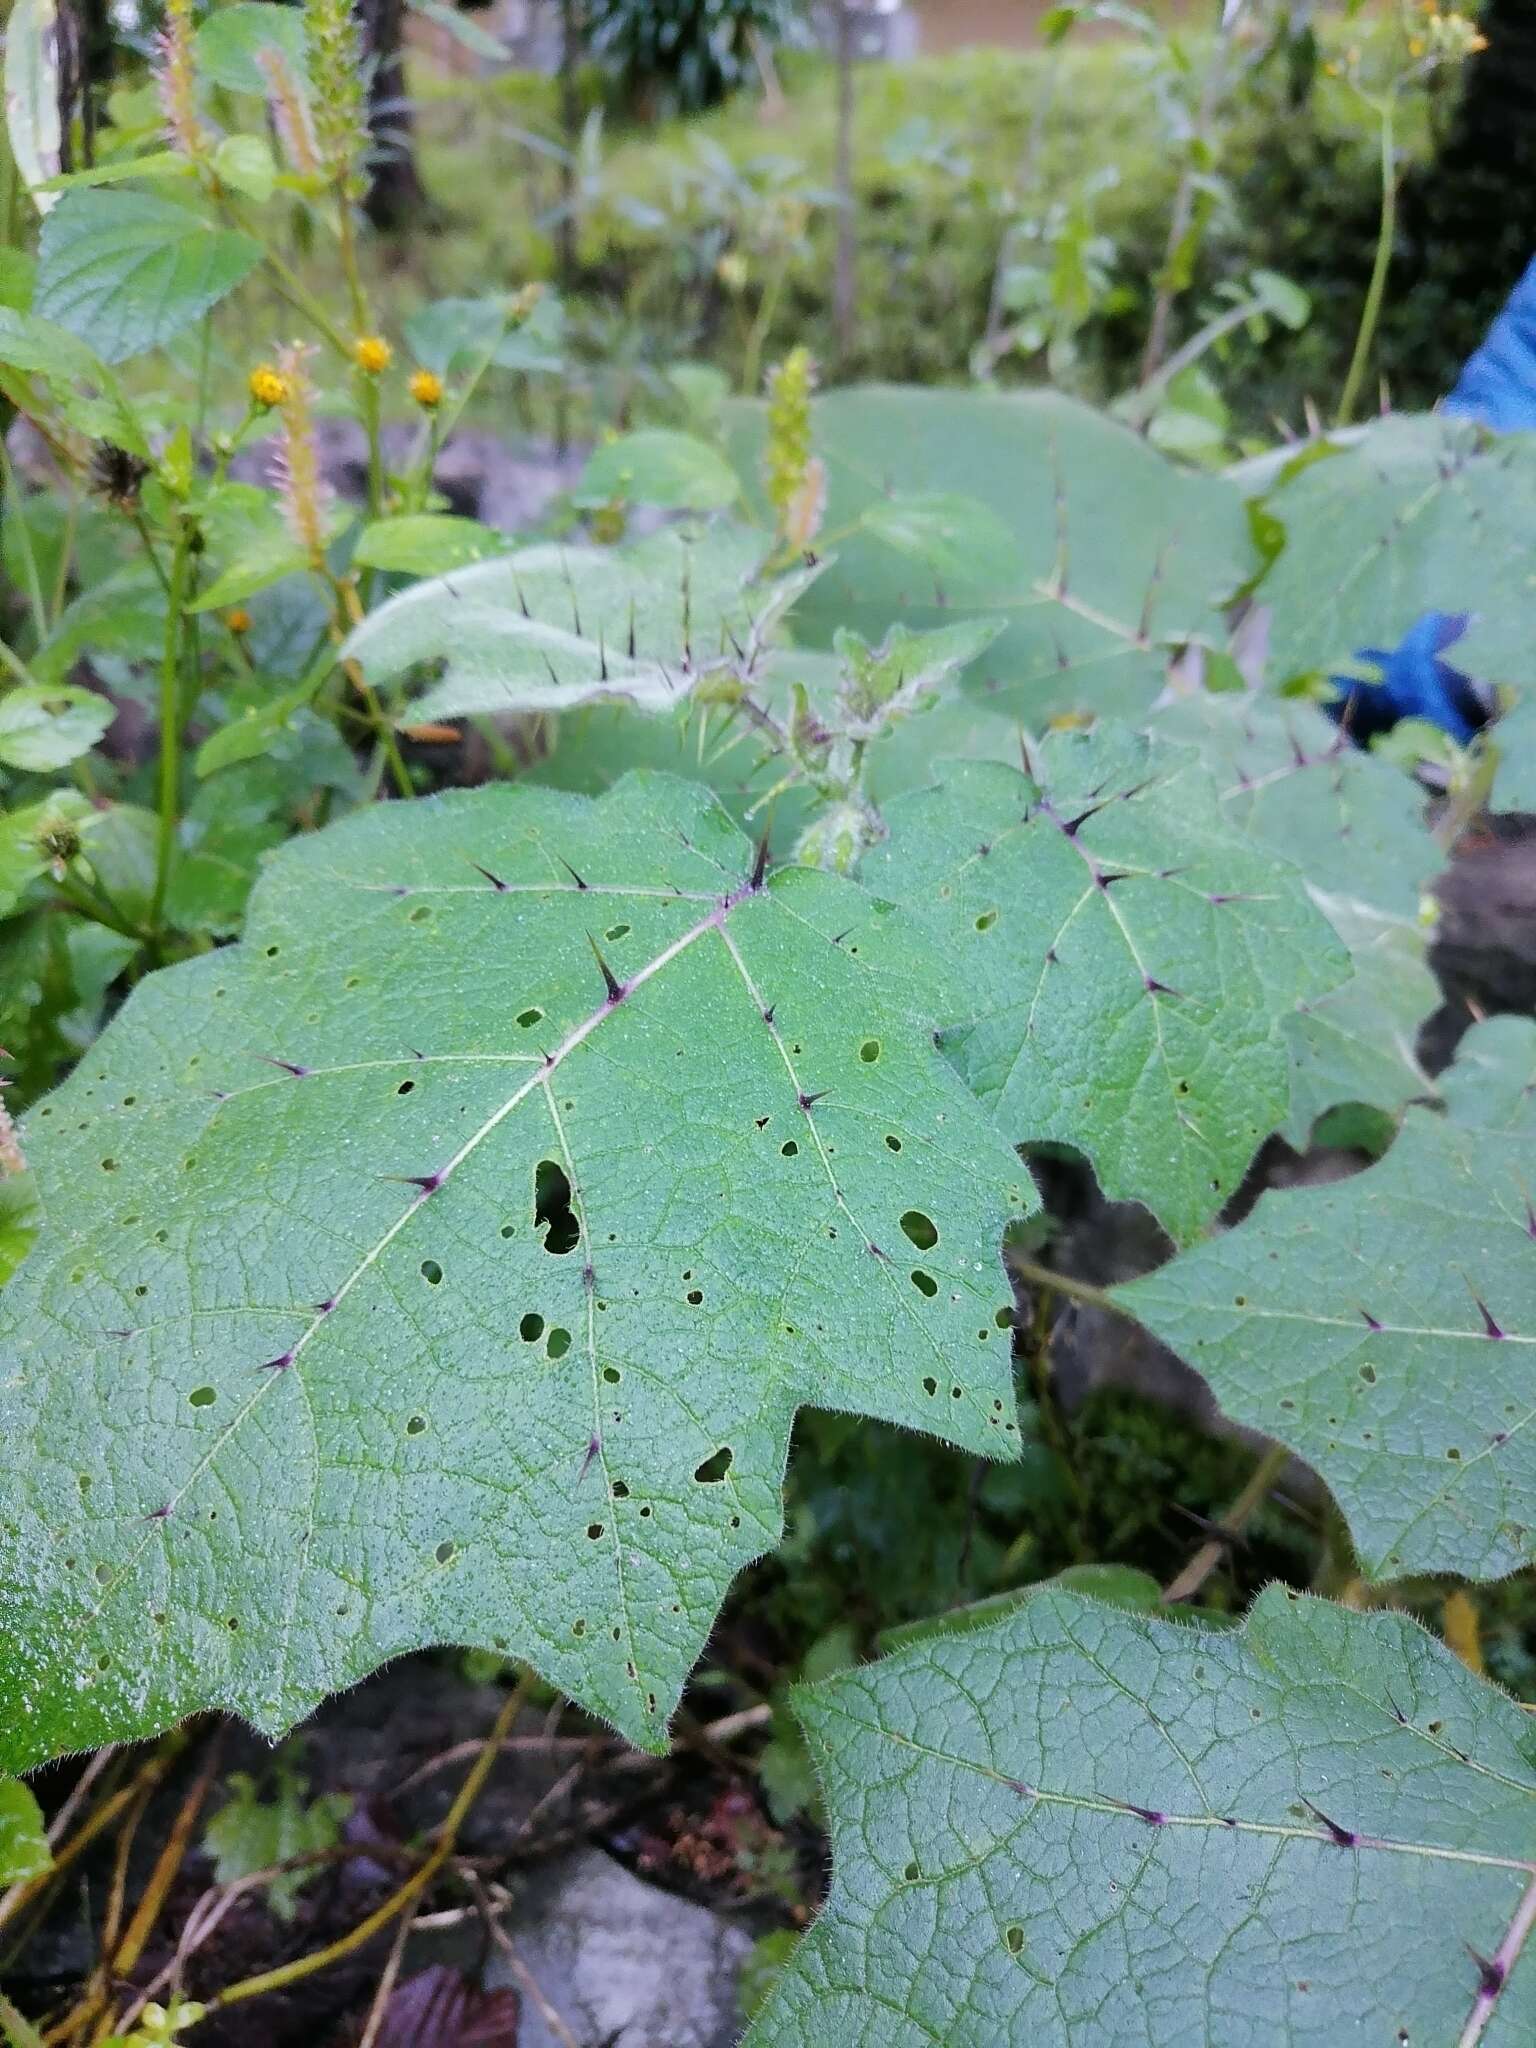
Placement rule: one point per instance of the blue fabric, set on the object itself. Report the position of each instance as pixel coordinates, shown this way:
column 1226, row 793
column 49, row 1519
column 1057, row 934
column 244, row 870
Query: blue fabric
column 1414, row 683
column 1497, row 385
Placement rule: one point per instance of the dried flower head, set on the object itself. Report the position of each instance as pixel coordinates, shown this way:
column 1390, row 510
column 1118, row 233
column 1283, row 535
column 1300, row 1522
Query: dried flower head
column 116, row 475
column 426, row 387
column 176, row 82
column 372, row 353
column 267, row 386
column 296, row 468
column 290, row 111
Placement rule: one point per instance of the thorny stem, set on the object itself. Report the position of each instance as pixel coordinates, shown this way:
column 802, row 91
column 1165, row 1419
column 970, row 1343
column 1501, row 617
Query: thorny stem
column 407, row 1893
column 170, row 726
column 1376, row 290
column 1188, row 1582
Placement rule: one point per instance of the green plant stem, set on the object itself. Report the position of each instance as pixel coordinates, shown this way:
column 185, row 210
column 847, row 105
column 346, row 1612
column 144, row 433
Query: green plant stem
column 351, row 614
column 170, row 726
column 1074, row 1290
column 362, row 324
column 407, row 1893
column 1205, row 1560
column 757, row 334
column 92, row 901
column 20, row 2032
column 24, row 537
column 10, row 659
column 1376, row 291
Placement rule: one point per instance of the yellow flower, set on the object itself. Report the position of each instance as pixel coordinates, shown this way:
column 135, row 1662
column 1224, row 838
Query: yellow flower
column 238, row 620
column 427, row 389
column 268, row 387
column 373, row 353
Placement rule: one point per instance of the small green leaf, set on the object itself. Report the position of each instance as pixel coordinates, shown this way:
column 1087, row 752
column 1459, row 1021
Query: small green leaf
column 1123, row 961
column 451, row 334
column 426, row 544
column 1083, row 1828
column 245, row 164
column 660, row 466
column 229, row 43
column 43, row 728
column 251, row 1833
column 257, row 726
column 126, row 271
column 24, row 1850
column 157, row 163
column 1408, row 1294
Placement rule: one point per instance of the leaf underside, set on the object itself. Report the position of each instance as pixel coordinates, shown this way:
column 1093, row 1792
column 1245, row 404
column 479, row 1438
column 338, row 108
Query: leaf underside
column 552, row 628
column 1384, row 1327
column 401, row 1285
column 1119, row 556
column 1081, row 1828
column 1127, row 961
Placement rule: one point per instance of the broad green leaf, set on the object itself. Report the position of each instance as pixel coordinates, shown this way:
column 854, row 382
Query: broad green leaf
column 126, row 271
column 1120, row 557
column 32, row 94
column 258, row 725
column 24, row 1848
column 1355, row 827
column 486, row 1297
column 1351, row 822
column 157, row 163
column 551, row 627
column 1083, row 1828
column 40, row 348
column 961, row 540
column 269, row 555
column 1383, row 1327
column 1417, row 514
column 1514, row 737
column 228, row 45
column 426, row 544
column 250, row 1833
column 453, row 334
column 1124, row 962
column 660, row 466
column 122, row 614
column 43, row 728
column 1357, row 1042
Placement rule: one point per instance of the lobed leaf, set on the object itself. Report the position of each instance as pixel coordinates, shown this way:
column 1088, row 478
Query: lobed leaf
column 1118, row 557
column 1384, row 1327
column 1124, row 961
column 404, row 1281
column 1084, row 1828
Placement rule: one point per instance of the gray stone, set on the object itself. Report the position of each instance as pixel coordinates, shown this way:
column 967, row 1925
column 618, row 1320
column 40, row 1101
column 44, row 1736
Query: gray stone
column 625, row 1964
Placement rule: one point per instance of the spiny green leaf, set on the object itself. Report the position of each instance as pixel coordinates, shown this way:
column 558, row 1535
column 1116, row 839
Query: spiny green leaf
column 1355, row 827
column 551, row 627
column 1357, row 1042
column 126, row 271
column 1083, row 1828
column 660, row 466
column 402, row 1284
column 1384, row 1327
column 1119, row 557
column 1125, row 960
column 1418, row 514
